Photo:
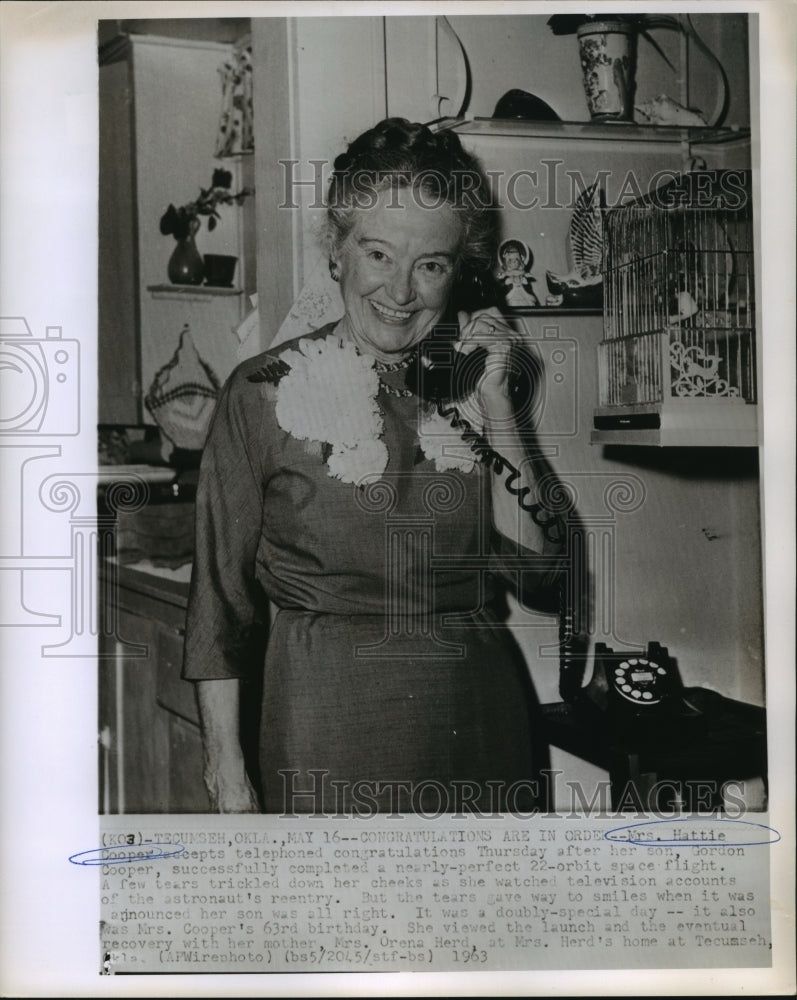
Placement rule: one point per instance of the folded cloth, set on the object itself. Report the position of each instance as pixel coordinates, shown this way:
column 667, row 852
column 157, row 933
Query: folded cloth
column 182, row 396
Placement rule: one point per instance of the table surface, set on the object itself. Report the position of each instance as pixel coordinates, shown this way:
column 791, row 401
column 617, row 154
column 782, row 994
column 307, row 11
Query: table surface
column 160, row 582
column 725, row 731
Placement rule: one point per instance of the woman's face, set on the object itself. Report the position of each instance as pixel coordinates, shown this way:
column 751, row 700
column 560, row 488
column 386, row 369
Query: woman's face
column 397, row 267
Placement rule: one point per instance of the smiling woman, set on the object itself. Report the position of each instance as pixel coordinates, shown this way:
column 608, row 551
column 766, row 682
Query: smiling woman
column 396, row 268
column 332, row 487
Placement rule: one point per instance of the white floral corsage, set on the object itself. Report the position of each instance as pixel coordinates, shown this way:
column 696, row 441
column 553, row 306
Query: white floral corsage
column 329, row 395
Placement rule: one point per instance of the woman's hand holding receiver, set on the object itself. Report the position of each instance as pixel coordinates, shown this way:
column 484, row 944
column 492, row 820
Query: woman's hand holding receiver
column 487, row 328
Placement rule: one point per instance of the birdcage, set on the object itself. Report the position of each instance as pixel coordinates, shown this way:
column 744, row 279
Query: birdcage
column 677, row 362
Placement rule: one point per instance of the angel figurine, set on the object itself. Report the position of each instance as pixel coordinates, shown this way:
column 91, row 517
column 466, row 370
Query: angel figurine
column 517, row 260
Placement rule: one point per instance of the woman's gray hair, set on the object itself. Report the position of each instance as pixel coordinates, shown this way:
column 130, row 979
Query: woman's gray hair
column 397, row 153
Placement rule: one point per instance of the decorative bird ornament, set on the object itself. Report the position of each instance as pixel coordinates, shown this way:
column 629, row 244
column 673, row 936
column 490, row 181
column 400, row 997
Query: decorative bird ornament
column 582, row 286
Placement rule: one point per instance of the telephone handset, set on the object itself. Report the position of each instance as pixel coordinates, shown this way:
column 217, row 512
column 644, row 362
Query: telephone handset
column 439, row 372
column 442, row 375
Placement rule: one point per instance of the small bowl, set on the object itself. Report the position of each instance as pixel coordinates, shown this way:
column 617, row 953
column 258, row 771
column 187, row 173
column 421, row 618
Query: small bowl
column 219, row 270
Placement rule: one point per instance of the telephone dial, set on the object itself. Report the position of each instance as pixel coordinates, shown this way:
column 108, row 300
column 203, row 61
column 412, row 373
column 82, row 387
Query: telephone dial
column 636, row 686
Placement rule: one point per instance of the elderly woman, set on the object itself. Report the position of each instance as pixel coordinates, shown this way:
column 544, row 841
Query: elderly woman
column 379, row 524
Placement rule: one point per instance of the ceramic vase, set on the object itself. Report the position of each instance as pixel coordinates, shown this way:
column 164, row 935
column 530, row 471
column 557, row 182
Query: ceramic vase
column 186, row 266
column 608, row 63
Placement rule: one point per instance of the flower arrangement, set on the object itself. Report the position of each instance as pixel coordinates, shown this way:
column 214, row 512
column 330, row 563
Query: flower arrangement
column 184, row 221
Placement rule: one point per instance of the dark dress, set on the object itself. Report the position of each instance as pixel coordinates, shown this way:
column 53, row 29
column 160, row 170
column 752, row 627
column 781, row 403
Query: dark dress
column 385, row 662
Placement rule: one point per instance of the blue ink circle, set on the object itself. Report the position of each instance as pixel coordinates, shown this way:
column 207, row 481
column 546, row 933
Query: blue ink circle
column 134, row 855
column 767, row 834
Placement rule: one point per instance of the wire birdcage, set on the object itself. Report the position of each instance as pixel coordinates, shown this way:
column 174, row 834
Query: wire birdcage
column 679, row 297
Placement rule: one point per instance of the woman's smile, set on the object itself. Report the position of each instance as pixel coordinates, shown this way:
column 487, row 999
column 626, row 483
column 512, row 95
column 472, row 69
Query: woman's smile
column 389, row 315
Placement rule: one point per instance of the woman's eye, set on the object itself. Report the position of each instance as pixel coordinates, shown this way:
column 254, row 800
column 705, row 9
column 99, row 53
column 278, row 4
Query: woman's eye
column 432, row 268
column 377, row 256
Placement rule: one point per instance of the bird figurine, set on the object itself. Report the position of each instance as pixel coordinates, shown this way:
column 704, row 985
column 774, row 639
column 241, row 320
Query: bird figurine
column 582, row 286
column 683, row 307
column 696, row 373
column 701, row 365
column 663, row 110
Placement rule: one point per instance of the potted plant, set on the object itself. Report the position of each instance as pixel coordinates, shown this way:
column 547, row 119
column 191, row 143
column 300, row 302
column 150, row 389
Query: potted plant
column 186, row 266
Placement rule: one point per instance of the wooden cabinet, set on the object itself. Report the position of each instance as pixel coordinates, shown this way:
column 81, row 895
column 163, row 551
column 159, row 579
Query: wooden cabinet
column 160, row 102
column 118, row 327
column 151, row 751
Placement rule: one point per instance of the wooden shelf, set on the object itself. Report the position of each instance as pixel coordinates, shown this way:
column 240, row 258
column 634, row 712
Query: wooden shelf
column 198, row 292
column 680, row 423
column 594, row 131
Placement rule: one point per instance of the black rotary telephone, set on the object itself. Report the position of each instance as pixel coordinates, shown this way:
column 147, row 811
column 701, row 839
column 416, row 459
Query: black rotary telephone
column 635, row 688
column 628, row 688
